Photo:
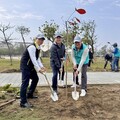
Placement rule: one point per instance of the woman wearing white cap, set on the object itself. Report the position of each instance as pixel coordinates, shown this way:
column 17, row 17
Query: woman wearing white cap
column 80, row 59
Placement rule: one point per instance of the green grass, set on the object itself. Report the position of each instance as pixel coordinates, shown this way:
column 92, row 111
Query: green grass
column 98, row 65
column 5, row 65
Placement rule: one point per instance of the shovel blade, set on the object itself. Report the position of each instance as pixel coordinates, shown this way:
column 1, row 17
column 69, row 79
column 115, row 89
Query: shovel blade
column 54, row 96
column 75, row 95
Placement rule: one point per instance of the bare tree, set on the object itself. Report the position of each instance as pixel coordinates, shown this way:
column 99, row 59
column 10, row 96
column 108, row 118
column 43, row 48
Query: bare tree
column 23, row 31
column 88, row 30
column 7, row 38
column 73, row 28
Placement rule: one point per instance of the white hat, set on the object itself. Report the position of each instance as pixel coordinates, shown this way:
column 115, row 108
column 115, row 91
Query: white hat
column 58, row 35
column 77, row 39
column 40, row 36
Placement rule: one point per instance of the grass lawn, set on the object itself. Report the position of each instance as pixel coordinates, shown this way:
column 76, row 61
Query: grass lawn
column 6, row 67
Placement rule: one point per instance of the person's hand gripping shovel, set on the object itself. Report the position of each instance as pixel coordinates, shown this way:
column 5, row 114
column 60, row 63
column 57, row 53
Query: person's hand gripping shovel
column 54, row 95
column 75, row 94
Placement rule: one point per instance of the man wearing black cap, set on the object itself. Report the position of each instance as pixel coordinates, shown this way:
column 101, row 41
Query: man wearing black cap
column 30, row 63
column 57, row 52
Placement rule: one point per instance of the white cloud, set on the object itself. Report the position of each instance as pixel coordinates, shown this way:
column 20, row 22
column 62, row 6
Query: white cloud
column 15, row 12
column 110, row 18
column 2, row 9
column 85, row 1
column 21, row 6
column 30, row 16
column 6, row 16
column 17, row 15
column 115, row 18
column 117, row 3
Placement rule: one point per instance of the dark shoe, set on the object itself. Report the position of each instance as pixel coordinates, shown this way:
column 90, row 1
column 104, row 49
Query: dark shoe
column 25, row 105
column 32, row 97
column 77, row 83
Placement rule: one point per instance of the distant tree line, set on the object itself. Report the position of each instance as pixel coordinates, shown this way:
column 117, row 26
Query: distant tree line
column 85, row 29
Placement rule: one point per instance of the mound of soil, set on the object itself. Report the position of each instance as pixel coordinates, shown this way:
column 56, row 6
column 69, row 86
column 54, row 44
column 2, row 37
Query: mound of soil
column 10, row 70
column 102, row 102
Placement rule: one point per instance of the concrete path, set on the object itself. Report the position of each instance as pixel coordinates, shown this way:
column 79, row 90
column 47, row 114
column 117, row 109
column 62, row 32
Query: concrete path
column 93, row 78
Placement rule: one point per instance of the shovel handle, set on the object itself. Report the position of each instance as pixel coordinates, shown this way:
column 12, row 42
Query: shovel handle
column 48, row 82
column 75, row 82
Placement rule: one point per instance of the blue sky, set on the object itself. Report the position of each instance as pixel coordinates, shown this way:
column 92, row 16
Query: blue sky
column 33, row 13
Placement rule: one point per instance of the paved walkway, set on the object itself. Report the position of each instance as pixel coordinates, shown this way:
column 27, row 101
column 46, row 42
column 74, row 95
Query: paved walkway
column 93, row 78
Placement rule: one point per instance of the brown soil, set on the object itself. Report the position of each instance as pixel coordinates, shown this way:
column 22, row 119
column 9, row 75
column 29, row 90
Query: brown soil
column 10, row 71
column 102, row 102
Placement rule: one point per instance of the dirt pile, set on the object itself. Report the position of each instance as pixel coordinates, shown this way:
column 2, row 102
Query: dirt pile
column 102, row 102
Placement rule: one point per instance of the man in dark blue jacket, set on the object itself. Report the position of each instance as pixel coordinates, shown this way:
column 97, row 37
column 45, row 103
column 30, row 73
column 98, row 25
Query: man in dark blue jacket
column 57, row 53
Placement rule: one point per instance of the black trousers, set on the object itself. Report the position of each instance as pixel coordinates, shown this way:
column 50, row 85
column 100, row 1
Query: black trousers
column 90, row 61
column 106, row 62
column 55, row 71
column 26, row 76
column 61, row 74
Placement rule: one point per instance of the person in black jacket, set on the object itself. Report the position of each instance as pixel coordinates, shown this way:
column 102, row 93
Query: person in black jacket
column 90, row 57
column 30, row 63
column 108, row 58
column 57, row 52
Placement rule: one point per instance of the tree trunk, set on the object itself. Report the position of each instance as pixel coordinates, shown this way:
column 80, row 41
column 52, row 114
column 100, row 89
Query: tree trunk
column 9, row 53
column 23, row 40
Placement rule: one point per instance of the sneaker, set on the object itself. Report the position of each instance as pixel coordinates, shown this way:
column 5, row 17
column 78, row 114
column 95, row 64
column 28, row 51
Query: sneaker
column 75, row 85
column 105, row 70
column 59, row 82
column 25, row 105
column 62, row 83
column 83, row 93
column 55, row 91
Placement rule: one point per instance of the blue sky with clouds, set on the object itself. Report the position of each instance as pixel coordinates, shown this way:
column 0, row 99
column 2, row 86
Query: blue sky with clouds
column 33, row 13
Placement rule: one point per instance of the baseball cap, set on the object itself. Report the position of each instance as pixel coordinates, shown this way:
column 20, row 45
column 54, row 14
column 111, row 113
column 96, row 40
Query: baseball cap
column 77, row 39
column 114, row 45
column 58, row 35
column 40, row 36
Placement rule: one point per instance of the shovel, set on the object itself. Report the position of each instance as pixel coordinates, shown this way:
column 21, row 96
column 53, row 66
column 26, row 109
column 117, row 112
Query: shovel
column 60, row 80
column 75, row 94
column 53, row 94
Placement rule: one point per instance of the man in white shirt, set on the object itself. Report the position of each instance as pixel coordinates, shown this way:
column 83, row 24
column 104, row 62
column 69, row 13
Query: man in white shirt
column 30, row 65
